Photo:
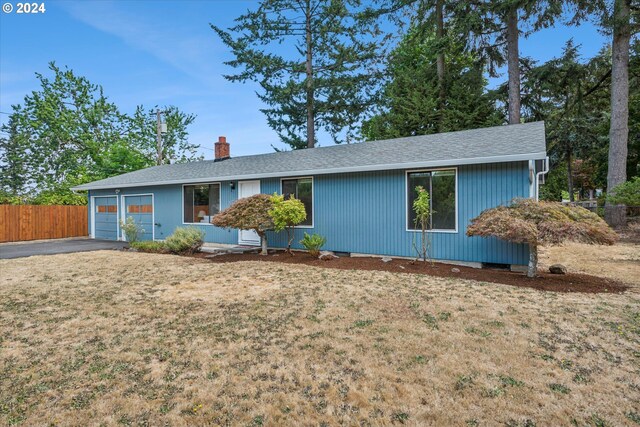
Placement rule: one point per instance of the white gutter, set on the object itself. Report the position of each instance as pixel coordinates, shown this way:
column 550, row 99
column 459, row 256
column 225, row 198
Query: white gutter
column 410, row 165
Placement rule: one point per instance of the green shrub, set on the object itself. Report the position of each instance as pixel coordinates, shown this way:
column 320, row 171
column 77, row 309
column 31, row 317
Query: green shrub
column 627, row 193
column 131, row 230
column 313, row 243
column 150, row 246
column 185, row 240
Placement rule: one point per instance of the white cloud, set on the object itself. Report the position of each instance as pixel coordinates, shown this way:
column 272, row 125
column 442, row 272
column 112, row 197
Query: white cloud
column 190, row 54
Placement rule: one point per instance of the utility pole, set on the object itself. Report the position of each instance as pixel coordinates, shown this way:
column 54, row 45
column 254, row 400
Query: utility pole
column 159, row 158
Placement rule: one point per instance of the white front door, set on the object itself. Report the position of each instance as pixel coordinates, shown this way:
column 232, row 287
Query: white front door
column 246, row 189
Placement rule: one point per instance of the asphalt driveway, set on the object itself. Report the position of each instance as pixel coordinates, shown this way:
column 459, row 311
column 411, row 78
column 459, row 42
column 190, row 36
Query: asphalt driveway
column 58, row 246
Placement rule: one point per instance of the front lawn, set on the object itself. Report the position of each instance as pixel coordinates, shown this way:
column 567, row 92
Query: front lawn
column 144, row 339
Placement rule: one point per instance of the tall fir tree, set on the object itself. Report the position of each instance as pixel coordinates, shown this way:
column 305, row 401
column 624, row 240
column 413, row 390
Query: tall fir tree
column 570, row 97
column 315, row 60
column 493, row 29
column 412, row 99
column 622, row 19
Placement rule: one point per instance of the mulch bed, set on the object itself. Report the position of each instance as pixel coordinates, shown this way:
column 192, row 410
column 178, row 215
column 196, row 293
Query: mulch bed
column 570, row 282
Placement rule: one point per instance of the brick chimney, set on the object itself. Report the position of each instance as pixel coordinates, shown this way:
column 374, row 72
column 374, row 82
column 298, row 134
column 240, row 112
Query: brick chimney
column 222, row 149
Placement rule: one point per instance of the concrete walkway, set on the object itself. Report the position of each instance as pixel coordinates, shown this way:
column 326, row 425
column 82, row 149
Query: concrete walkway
column 56, row 246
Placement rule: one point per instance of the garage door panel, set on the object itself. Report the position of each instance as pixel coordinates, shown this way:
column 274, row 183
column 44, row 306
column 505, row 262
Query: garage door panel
column 106, row 218
column 140, row 208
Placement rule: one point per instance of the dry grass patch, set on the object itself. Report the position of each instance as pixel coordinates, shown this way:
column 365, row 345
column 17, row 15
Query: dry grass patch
column 620, row 261
column 141, row 339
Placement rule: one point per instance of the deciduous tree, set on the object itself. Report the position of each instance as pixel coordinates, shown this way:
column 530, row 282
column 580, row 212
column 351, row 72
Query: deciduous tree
column 67, row 133
column 541, row 223
column 422, row 208
column 176, row 147
column 249, row 213
column 286, row 215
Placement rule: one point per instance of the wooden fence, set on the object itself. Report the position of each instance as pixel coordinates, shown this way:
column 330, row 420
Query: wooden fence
column 31, row 222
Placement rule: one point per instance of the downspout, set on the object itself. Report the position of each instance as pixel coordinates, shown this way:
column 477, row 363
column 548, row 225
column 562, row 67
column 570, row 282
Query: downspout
column 544, row 171
column 532, row 176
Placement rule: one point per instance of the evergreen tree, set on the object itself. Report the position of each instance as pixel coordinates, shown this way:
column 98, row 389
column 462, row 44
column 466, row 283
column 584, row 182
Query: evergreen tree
column 569, row 97
column 573, row 97
column 493, row 28
column 327, row 75
column 412, row 99
column 622, row 18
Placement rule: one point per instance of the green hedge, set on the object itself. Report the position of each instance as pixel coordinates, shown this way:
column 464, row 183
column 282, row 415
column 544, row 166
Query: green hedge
column 150, row 246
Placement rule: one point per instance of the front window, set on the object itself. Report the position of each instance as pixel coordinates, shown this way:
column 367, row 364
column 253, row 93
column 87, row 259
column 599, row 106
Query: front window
column 441, row 185
column 302, row 189
column 201, row 202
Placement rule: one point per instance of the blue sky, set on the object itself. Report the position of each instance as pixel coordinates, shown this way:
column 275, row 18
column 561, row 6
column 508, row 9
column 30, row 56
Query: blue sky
column 164, row 52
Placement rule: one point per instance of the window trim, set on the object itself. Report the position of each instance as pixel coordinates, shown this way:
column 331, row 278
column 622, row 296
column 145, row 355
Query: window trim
column 406, row 200
column 200, row 224
column 313, row 198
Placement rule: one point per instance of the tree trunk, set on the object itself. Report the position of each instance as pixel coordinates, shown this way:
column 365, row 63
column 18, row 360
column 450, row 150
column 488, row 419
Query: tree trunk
column 311, row 132
column 263, row 244
column 290, row 236
column 513, row 65
column 532, row 268
column 569, row 174
column 440, row 63
column 615, row 215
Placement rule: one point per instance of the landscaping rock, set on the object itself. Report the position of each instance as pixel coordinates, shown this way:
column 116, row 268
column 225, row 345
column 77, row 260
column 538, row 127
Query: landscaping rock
column 327, row 255
column 386, row 259
column 455, row 270
column 558, row 269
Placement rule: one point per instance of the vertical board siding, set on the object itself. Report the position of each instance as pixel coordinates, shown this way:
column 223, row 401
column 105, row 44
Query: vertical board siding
column 365, row 212
column 27, row 222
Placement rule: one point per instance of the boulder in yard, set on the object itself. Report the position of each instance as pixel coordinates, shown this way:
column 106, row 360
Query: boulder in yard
column 558, row 269
column 386, row 259
column 455, row 270
column 327, row 255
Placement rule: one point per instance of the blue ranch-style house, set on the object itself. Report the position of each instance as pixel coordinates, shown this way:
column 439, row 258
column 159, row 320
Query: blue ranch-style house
column 358, row 196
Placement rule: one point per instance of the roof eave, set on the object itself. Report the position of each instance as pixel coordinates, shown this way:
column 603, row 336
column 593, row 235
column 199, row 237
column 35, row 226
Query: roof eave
column 411, row 165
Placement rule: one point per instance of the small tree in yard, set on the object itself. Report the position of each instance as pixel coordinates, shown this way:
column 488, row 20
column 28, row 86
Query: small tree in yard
column 541, row 223
column 422, row 209
column 250, row 213
column 286, row 215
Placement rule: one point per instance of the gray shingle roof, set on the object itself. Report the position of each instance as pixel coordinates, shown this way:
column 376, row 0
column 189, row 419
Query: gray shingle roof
column 488, row 145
